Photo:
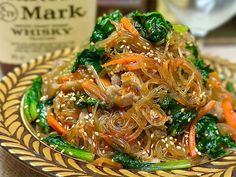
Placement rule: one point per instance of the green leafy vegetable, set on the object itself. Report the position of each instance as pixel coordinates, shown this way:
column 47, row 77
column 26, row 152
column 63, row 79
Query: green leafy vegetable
column 180, row 28
column 43, row 124
column 230, row 87
column 31, row 99
column 62, row 145
column 83, row 101
column 198, row 62
column 133, row 163
column 209, row 139
column 91, row 56
column 104, row 27
column 151, row 26
column 181, row 116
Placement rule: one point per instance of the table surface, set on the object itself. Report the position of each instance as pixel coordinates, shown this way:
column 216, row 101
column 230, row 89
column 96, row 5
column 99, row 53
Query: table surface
column 10, row 167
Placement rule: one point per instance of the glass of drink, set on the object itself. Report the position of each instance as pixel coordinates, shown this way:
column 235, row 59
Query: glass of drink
column 202, row 15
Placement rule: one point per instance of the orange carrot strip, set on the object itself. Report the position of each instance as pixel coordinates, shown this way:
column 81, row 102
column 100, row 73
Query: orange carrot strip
column 63, row 79
column 207, row 108
column 192, row 132
column 52, row 122
column 128, row 25
column 105, row 82
column 102, row 160
column 192, row 140
column 92, row 88
column 125, row 59
column 132, row 66
column 229, row 114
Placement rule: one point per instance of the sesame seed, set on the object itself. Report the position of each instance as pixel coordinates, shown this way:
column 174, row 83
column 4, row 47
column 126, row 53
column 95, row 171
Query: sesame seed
column 26, row 106
column 62, row 150
column 144, row 152
column 70, row 153
column 171, row 138
column 96, row 133
column 171, row 142
column 124, row 41
column 178, row 147
column 37, row 121
column 38, row 134
column 122, row 46
column 182, row 110
column 167, row 145
column 144, row 47
column 138, row 44
column 152, row 135
column 128, row 47
column 139, row 143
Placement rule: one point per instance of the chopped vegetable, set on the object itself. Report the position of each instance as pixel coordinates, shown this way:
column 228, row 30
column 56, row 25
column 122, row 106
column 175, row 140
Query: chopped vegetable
column 192, row 131
column 31, row 99
column 151, row 26
column 83, row 101
column 181, row 116
column 229, row 113
column 91, row 87
column 209, row 139
column 198, row 62
column 52, row 122
column 104, row 27
column 128, row 25
column 132, row 163
column 65, row 147
column 180, row 28
column 126, row 59
column 91, row 56
column 43, row 124
column 230, row 87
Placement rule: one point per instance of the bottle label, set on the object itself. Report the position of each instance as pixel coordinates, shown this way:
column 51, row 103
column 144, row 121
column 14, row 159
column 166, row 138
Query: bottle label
column 29, row 28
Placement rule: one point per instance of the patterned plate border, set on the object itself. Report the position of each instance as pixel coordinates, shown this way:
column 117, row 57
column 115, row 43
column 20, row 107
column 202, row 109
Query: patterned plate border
column 17, row 139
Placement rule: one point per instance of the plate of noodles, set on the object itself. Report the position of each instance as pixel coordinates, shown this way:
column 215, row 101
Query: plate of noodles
column 139, row 100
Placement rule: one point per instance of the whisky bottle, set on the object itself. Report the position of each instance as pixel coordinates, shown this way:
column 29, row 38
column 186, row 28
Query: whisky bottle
column 29, row 28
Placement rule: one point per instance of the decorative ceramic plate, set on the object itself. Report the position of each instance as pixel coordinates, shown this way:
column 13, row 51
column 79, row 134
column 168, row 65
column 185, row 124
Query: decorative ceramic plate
column 19, row 138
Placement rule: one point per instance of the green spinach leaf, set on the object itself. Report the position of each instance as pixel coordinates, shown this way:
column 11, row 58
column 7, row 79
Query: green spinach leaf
column 198, row 62
column 151, row 26
column 181, row 116
column 91, row 56
column 104, row 27
column 209, row 139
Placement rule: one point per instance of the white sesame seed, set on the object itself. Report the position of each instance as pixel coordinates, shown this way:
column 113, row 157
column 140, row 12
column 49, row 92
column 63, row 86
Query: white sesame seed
column 96, row 133
column 178, row 147
column 152, row 135
column 70, row 153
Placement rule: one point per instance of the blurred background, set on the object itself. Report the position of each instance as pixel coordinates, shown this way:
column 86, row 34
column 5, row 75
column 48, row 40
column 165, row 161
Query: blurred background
column 213, row 22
